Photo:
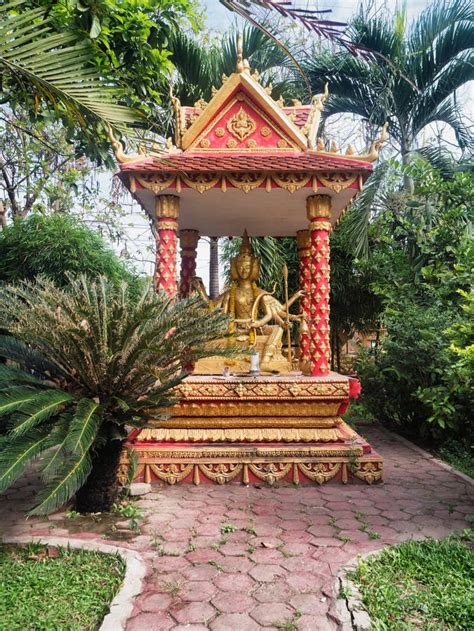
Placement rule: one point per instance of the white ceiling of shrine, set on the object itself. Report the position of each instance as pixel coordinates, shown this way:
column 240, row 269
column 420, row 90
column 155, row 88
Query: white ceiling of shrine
column 218, row 214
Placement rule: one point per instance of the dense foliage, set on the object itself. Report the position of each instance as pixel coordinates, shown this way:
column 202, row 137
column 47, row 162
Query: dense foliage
column 84, row 364
column 422, row 260
column 55, row 246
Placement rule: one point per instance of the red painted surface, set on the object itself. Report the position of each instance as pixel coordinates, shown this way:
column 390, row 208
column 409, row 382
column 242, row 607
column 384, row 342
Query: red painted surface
column 319, row 307
column 165, row 273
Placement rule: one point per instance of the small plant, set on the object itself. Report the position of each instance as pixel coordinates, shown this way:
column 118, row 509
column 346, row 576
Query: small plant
column 333, row 522
column 72, row 514
column 251, row 549
column 373, row 535
column 290, row 624
column 359, row 516
column 250, row 530
column 130, row 511
column 345, row 592
column 191, row 546
column 343, row 538
column 285, row 553
column 216, row 565
column 171, row 587
column 228, row 528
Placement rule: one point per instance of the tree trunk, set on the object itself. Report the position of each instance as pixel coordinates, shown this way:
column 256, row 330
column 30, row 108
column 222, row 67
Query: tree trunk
column 214, row 268
column 101, row 488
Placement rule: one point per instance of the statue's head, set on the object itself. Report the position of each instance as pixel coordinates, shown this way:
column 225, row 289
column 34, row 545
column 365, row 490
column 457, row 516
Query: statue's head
column 244, row 266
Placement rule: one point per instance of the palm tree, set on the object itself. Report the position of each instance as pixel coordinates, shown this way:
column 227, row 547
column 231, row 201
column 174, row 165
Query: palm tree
column 85, row 363
column 38, row 65
column 410, row 81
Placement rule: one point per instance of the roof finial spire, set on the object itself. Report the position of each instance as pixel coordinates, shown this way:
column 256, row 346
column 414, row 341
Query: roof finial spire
column 240, row 60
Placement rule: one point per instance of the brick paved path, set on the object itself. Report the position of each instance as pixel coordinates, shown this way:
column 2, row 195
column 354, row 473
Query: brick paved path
column 231, row 558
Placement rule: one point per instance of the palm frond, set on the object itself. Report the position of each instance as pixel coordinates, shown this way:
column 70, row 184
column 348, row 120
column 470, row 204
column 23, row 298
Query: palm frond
column 35, row 412
column 84, row 426
column 19, row 352
column 14, row 397
column 356, row 223
column 70, row 477
column 18, row 454
column 11, row 375
column 57, row 68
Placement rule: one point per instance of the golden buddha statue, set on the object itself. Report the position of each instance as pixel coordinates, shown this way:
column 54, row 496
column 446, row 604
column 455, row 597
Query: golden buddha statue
column 258, row 319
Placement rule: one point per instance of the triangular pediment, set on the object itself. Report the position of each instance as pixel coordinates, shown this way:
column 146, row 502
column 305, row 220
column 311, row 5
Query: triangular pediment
column 243, row 117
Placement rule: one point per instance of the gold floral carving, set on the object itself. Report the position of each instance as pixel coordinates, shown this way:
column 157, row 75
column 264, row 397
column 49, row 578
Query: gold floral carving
column 282, row 144
column 240, row 389
column 251, row 144
column 241, row 125
column 219, row 132
column 232, row 422
column 320, row 411
column 270, row 472
column 171, row 473
column 156, row 182
column 246, row 181
column 291, row 181
column 231, row 143
column 235, row 435
column 370, row 472
column 220, row 472
column 337, row 181
column 205, row 143
column 265, row 131
column 319, row 472
column 201, row 181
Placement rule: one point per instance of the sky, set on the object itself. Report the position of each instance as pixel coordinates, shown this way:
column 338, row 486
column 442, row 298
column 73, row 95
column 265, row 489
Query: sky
column 219, row 19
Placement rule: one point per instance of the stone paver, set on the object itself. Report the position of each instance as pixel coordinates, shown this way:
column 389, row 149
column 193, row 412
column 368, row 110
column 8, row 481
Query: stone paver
column 279, row 563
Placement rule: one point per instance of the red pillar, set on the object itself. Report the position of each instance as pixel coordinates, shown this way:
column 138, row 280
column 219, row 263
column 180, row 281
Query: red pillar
column 188, row 240
column 304, row 252
column 318, row 208
column 166, row 213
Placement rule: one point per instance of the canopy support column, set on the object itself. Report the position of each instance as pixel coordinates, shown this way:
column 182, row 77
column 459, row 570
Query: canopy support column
column 188, row 240
column 303, row 241
column 166, row 214
column 318, row 208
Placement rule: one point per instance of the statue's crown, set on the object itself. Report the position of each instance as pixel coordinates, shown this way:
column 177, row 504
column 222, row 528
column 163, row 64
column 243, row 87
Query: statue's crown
column 245, row 248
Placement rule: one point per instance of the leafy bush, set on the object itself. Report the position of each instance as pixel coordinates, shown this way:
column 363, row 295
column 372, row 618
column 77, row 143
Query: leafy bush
column 85, row 362
column 55, row 246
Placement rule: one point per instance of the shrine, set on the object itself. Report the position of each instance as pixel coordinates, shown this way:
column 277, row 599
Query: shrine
column 245, row 164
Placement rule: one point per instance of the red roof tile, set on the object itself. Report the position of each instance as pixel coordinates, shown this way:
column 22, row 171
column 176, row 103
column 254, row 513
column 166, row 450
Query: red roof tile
column 233, row 161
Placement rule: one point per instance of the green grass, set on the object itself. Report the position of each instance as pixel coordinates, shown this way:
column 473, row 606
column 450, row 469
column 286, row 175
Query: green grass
column 426, row 585
column 46, row 589
column 459, row 456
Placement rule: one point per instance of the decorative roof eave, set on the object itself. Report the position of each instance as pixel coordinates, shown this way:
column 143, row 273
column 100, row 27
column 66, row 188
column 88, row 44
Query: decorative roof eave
column 264, row 100
column 303, row 162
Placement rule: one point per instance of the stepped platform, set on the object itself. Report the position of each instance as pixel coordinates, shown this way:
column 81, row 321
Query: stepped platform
column 254, row 430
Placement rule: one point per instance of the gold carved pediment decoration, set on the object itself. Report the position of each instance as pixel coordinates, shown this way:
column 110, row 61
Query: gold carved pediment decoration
column 241, row 125
column 291, row 182
column 201, row 181
column 246, row 181
column 156, row 182
column 337, row 181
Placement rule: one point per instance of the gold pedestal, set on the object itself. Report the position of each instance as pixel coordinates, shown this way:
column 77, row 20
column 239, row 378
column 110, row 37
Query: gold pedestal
column 246, row 429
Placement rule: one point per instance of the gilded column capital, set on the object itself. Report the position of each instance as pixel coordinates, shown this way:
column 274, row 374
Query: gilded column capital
column 188, row 239
column 167, row 207
column 318, row 207
column 303, row 242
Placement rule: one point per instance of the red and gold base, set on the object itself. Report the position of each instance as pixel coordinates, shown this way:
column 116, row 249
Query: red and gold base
column 284, row 429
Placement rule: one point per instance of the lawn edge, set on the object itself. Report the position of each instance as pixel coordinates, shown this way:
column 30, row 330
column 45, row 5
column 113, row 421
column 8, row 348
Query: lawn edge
column 135, row 570
column 428, row 456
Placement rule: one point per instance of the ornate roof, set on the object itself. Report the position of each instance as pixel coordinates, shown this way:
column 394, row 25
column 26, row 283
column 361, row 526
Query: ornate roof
column 200, row 161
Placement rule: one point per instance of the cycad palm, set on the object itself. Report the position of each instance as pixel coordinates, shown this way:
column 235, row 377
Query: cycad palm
column 85, row 363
